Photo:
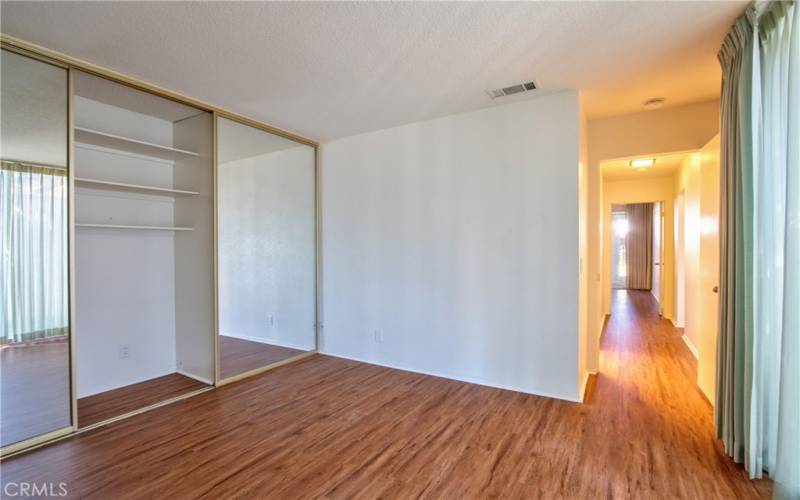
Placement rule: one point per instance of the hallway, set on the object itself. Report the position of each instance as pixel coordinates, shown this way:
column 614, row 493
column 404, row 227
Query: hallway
column 328, row 427
column 647, row 400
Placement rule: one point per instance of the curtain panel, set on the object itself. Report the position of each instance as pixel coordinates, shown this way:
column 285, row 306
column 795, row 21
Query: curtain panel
column 639, row 246
column 757, row 410
column 33, row 240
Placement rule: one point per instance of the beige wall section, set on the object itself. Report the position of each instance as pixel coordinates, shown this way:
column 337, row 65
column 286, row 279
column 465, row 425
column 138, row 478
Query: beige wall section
column 709, row 267
column 687, row 180
column 680, row 128
column 641, row 191
column 583, row 284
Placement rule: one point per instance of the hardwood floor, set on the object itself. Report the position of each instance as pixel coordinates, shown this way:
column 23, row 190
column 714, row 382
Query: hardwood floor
column 35, row 392
column 327, row 427
column 110, row 404
column 240, row 356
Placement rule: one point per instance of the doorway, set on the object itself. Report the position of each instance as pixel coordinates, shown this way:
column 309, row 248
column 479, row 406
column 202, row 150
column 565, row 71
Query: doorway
column 658, row 254
column 632, row 246
column 619, row 261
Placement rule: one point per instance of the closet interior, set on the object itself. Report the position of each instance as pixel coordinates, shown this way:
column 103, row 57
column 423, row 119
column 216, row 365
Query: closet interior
column 144, row 264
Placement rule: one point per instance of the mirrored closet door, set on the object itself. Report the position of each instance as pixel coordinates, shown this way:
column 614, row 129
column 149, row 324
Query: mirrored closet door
column 35, row 394
column 266, row 250
column 144, row 287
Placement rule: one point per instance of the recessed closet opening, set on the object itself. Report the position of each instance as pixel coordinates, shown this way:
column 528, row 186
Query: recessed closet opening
column 144, row 286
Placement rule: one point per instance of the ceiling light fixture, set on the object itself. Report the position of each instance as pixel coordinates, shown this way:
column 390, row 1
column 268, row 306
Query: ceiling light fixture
column 654, row 103
column 643, row 163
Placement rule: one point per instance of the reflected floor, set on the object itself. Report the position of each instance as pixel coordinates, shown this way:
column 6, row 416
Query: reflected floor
column 35, row 394
column 116, row 402
column 240, row 356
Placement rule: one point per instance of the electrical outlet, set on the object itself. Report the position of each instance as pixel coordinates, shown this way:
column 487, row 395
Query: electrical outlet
column 378, row 335
column 124, row 351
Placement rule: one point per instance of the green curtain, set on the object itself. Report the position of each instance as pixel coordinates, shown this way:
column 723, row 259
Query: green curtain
column 33, row 241
column 758, row 370
column 737, row 157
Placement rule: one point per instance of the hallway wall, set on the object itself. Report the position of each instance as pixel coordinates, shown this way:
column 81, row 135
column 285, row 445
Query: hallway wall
column 687, row 179
column 700, row 180
column 678, row 128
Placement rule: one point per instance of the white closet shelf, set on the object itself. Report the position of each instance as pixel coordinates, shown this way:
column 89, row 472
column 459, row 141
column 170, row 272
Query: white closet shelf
column 120, row 226
column 103, row 139
column 131, row 188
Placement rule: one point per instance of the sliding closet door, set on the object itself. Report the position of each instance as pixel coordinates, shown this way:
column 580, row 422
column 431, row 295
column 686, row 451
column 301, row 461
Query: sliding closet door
column 34, row 272
column 266, row 248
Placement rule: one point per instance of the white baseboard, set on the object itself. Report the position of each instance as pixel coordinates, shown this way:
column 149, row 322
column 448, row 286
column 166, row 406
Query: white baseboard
column 469, row 380
column 268, row 341
column 691, row 346
column 195, row 377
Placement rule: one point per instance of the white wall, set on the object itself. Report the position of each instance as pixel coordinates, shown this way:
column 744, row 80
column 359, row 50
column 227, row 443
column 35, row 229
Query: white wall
column 451, row 246
column 266, row 248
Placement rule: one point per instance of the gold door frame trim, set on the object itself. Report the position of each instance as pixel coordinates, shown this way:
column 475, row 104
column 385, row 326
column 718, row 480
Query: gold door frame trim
column 36, row 442
column 73, row 350
column 97, row 70
column 215, row 250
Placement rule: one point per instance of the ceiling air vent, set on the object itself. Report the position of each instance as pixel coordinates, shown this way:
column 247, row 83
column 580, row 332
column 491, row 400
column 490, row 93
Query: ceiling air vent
column 513, row 89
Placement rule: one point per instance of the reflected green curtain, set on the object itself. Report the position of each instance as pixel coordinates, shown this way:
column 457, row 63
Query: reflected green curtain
column 33, row 240
column 758, row 365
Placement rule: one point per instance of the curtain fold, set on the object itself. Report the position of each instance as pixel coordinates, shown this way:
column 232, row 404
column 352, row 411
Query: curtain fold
column 736, row 157
column 639, row 246
column 782, row 137
column 33, row 240
column 757, row 411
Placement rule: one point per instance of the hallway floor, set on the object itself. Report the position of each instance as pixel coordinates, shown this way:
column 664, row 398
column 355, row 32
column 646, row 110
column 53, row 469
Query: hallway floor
column 328, row 427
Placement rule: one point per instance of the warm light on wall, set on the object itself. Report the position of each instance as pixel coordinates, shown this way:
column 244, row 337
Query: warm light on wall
column 708, row 225
column 643, row 163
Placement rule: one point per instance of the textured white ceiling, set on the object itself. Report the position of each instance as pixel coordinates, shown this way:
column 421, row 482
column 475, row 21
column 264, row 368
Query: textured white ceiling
column 329, row 70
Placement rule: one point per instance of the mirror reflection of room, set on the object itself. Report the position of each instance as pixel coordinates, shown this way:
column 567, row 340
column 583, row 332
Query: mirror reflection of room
column 266, row 254
column 34, row 291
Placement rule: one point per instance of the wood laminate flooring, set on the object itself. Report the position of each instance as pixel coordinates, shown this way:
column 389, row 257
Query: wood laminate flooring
column 240, row 356
column 331, row 428
column 116, row 402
